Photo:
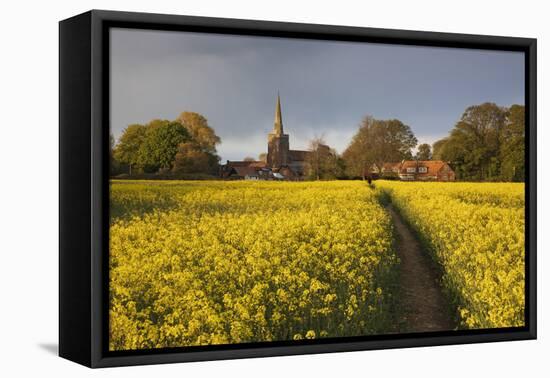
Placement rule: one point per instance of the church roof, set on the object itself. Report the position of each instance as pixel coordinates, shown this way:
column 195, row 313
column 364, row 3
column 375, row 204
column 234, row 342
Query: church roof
column 278, row 123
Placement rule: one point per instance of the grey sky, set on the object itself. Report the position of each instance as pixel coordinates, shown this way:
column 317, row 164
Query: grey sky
column 326, row 87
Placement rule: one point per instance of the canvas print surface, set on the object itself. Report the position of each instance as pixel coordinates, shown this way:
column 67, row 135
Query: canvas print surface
column 284, row 190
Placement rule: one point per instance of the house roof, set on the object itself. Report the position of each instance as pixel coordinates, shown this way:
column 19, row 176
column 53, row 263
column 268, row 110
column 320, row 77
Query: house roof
column 433, row 166
column 242, row 168
column 246, row 171
column 391, row 166
column 258, row 164
column 244, row 163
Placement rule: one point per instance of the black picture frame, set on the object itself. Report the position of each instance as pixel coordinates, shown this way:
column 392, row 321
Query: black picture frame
column 84, row 190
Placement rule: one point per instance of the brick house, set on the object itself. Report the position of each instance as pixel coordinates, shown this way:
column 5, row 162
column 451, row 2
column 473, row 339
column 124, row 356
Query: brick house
column 416, row 170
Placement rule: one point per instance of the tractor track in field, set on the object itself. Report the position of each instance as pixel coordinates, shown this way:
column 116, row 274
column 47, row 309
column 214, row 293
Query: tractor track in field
column 421, row 304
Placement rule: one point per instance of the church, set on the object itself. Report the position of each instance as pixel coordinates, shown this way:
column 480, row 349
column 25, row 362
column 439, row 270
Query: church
column 280, row 163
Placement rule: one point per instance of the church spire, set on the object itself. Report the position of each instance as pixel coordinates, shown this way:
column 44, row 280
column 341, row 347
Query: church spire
column 278, row 125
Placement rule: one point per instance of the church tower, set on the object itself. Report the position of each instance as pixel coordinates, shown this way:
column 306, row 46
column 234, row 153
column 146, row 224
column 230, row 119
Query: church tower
column 277, row 141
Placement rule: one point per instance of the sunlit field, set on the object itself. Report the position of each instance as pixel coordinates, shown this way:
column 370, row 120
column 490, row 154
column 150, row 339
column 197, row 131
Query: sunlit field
column 476, row 232
column 216, row 262
column 194, row 263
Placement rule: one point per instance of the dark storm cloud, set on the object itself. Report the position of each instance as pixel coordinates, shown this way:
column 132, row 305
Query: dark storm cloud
column 326, row 87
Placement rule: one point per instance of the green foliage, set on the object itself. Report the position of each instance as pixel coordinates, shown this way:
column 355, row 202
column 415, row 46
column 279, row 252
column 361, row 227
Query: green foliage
column 127, row 151
column 160, row 145
column 487, row 143
column 512, row 151
column 438, row 148
column 184, row 146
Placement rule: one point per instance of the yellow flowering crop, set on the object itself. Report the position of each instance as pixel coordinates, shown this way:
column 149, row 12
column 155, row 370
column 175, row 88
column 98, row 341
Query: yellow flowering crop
column 476, row 232
column 197, row 263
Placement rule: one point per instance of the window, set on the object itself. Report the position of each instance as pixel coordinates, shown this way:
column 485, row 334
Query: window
column 411, row 170
column 423, row 169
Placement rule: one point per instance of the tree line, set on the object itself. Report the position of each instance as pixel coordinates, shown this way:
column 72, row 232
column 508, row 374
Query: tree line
column 184, row 146
column 486, row 144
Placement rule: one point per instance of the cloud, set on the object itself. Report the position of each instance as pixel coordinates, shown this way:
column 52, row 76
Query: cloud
column 326, row 87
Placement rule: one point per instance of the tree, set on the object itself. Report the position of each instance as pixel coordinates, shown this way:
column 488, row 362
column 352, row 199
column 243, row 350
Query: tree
column 249, row 158
column 437, row 149
column 512, row 148
column 424, row 152
column 473, row 145
column 316, row 158
column 127, row 151
column 322, row 162
column 160, row 145
column 201, row 133
column 377, row 142
column 190, row 158
column 262, row 157
column 154, row 146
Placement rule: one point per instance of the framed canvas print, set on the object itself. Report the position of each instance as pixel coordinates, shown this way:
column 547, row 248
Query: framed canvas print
column 234, row 188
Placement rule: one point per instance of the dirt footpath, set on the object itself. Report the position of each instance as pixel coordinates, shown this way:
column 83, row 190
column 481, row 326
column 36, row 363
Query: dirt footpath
column 422, row 305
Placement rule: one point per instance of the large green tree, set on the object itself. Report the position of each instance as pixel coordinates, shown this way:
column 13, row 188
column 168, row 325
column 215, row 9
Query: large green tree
column 376, row 142
column 512, row 148
column 487, row 143
column 165, row 145
column 437, row 149
column 127, row 150
column 160, row 145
